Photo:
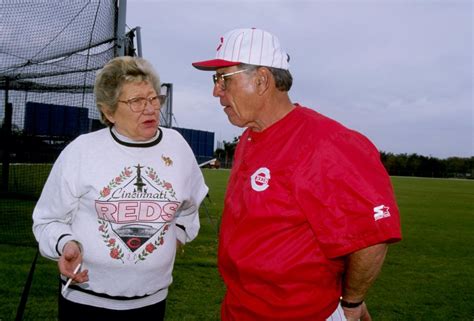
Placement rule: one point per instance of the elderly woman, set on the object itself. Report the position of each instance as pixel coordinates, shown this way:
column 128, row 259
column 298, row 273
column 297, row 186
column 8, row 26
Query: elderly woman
column 118, row 201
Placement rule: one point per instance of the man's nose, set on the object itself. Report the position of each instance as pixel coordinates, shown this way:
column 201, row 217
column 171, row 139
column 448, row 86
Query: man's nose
column 217, row 91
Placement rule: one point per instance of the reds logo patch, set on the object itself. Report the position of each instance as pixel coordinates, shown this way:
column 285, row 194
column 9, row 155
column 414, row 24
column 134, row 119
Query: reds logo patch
column 260, row 179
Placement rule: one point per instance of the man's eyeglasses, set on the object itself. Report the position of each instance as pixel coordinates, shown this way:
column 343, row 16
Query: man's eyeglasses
column 138, row 104
column 220, row 78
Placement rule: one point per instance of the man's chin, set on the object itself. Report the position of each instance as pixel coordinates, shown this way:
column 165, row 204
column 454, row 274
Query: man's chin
column 233, row 118
column 236, row 123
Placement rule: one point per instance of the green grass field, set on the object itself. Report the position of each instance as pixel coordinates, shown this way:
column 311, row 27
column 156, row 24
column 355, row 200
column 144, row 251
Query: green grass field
column 427, row 276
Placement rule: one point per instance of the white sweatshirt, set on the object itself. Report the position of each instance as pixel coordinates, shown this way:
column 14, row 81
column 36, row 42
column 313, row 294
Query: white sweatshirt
column 127, row 204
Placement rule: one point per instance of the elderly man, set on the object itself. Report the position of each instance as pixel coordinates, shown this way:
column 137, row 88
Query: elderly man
column 309, row 208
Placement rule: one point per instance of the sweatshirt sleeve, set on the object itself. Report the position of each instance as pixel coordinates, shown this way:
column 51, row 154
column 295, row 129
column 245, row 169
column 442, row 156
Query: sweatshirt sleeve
column 187, row 221
column 54, row 211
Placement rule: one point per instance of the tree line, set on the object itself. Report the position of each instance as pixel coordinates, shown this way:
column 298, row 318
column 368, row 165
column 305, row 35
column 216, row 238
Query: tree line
column 422, row 166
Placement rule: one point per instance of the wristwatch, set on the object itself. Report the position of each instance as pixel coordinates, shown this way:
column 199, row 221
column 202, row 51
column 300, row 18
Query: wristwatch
column 346, row 304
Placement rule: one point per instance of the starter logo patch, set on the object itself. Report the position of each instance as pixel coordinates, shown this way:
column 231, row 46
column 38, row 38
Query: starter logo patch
column 260, row 179
column 381, row 212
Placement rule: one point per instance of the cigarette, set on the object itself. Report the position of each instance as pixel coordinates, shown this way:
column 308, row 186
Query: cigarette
column 70, row 280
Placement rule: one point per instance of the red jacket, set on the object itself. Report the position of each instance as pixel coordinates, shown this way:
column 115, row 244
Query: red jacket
column 302, row 194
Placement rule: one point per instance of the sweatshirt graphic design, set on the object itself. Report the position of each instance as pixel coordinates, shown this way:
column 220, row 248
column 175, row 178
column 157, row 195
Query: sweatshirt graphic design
column 134, row 211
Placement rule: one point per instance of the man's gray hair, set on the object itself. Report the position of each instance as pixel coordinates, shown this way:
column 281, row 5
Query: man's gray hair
column 283, row 78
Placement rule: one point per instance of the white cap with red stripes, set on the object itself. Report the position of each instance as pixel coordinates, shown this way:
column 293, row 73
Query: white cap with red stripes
column 249, row 46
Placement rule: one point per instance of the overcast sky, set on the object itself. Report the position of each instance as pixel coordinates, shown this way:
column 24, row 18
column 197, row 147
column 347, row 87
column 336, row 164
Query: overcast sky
column 400, row 72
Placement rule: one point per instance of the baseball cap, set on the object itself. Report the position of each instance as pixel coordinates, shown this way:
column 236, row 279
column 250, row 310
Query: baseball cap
column 249, row 46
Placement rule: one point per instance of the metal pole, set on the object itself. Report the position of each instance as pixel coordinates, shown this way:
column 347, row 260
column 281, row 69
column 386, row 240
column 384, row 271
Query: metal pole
column 120, row 31
column 170, row 104
column 6, row 133
column 139, row 41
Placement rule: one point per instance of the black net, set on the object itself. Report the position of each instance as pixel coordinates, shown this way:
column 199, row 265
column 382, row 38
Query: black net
column 50, row 52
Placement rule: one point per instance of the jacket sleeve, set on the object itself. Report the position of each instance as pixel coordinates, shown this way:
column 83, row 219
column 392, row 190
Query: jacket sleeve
column 347, row 195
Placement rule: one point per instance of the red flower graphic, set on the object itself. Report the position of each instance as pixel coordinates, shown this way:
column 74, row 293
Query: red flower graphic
column 105, row 192
column 114, row 253
column 101, row 228
column 112, row 241
column 167, row 185
column 150, row 248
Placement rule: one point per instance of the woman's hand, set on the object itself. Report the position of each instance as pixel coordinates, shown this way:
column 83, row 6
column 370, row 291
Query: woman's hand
column 72, row 256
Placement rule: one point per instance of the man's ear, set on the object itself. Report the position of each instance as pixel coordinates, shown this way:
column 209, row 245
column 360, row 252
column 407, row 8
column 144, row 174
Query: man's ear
column 263, row 80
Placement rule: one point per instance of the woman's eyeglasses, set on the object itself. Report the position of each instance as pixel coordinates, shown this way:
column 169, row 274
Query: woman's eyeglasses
column 138, row 104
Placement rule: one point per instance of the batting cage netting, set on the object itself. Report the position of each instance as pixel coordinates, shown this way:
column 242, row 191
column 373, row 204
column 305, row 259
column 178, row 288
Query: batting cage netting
column 50, row 52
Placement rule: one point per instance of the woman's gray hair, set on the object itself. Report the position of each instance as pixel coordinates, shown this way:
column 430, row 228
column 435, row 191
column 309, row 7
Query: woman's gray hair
column 116, row 73
column 283, row 78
